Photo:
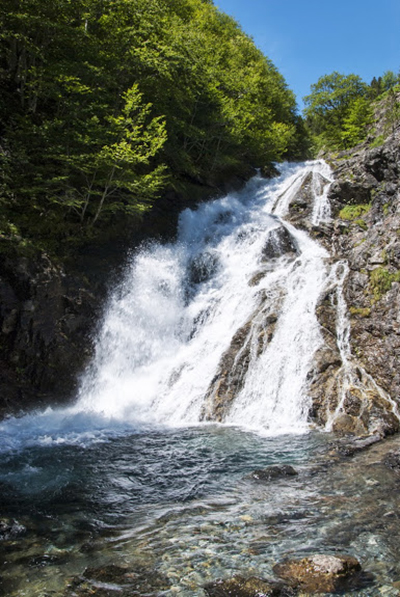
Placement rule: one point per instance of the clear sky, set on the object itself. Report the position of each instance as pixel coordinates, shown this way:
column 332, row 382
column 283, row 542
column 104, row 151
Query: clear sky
column 310, row 38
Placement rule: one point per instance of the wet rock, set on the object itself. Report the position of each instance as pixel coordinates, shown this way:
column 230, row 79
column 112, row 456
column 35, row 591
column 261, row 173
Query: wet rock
column 269, row 171
column 279, row 242
column 114, row 580
column 273, row 472
column 392, row 460
column 350, row 447
column 322, row 573
column 10, row 528
column 247, row 345
column 45, row 320
column 203, row 267
column 239, row 586
column 301, row 207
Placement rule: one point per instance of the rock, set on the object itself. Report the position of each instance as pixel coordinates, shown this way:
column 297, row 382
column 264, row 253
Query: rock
column 350, row 447
column 279, row 242
column 10, row 528
column 45, row 320
column 248, row 343
column 392, row 461
column 273, row 472
column 117, row 580
column 301, row 206
column 322, row 573
column 203, row 267
column 238, row 586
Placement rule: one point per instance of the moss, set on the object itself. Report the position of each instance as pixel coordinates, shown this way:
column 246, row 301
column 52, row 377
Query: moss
column 360, row 242
column 362, row 224
column 378, row 141
column 381, row 281
column 386, row 209
column 362, row 311
column 353, row 212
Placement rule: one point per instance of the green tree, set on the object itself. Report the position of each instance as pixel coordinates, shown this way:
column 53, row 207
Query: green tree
column 356, row 122
column 329, row 105
column 389, row 80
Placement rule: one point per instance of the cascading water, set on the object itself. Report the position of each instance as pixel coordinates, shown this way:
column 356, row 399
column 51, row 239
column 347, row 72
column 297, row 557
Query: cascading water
column 179, row 306
column 174, row 315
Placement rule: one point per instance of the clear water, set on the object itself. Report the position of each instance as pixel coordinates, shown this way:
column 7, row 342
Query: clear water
column 129, row 479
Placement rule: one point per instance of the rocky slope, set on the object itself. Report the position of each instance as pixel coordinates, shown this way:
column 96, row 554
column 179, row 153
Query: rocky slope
column 365, row 235
column 354, row 382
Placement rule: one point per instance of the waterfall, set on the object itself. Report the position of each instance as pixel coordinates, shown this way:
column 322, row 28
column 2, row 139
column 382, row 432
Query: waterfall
column 236, row 262
column 219, row 326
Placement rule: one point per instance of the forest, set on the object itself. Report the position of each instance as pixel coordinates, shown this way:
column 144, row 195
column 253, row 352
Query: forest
column 107, row 104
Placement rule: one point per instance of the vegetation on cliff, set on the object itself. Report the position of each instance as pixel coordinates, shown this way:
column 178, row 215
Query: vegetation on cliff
column 340, row 110
column 105, row 104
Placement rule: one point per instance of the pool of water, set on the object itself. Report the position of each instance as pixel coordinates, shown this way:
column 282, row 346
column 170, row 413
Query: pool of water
column 179, row 508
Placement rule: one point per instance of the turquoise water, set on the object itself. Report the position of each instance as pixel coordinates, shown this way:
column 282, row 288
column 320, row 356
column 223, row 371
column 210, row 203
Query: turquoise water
column 181, row 507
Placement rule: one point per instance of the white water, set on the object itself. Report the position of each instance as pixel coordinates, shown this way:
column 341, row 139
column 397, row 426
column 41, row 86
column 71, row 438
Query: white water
column 177, row 309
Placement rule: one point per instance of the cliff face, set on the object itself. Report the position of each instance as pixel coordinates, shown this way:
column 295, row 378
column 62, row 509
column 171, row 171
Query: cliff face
column 365, row 199
column 354, row 380
column 45, row 320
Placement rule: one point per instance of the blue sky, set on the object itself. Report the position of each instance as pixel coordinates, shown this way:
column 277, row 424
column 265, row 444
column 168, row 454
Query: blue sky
column 310, row 38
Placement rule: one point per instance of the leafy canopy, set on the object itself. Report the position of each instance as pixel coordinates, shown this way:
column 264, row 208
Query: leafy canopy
column 105, row 103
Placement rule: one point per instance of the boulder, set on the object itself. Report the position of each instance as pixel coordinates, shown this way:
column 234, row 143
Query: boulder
column 277, row 471
column 322, row 573
column 279, row 242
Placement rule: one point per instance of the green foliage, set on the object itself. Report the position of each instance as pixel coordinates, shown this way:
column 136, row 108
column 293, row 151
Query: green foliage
column 378, row 141
column 392, row 108
column 340, row 109
column 103, row 104
column 359, row 116
column 361, row 311
column 353, row 212
column 334, row 102
column 389, row 80
column 381, row 281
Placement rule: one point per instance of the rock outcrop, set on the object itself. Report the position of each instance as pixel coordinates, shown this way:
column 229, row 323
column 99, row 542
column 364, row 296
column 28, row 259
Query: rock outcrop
column 45, row 320
column 361, row 395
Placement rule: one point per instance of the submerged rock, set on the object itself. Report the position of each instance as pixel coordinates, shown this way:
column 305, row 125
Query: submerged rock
column 10, row 528
column 273, row 472
column 113, row 580
column 392, row 460
column 322, row 573
column 239, row 586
